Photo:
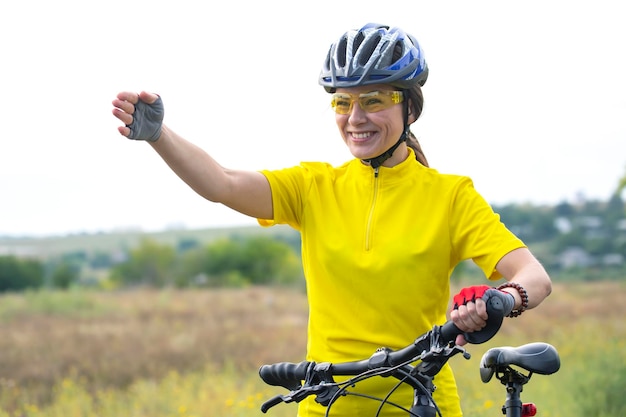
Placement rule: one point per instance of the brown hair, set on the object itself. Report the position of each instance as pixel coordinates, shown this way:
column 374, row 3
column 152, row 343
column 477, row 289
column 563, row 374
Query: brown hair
column 416, row 103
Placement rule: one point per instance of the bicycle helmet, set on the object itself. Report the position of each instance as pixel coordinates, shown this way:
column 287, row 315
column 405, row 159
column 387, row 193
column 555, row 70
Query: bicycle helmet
column 374, row 54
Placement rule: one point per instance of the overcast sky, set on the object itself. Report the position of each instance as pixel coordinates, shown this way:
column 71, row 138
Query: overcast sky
column 527, row 98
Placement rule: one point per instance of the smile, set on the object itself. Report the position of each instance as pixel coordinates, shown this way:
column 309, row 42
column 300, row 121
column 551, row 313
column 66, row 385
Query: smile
column 363, row 135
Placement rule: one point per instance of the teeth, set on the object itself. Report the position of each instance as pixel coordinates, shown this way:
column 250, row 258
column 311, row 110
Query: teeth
column 361, row 135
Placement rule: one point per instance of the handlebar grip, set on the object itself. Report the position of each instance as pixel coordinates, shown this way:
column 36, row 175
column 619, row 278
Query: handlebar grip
column 285, row 374
column 449, row 332
column 496, row 310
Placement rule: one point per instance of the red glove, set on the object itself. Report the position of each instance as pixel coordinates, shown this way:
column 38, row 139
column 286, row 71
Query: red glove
column 468, row 294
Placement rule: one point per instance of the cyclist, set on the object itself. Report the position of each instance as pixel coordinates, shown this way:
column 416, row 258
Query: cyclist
column 380, row 233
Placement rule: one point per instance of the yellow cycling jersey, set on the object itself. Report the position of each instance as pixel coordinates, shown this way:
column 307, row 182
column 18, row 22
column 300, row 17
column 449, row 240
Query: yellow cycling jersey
column 378, row 249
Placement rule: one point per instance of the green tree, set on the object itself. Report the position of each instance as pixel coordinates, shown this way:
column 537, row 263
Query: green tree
column 564, row 209
column 190, row 268
column 65, row 274
column 187, row 244
column 151, row 263
column 530, row 223
column 614, row 211
column 240, row 261
column 101, row 260
column 269, row 260
column 575, row 238
column 19, row 274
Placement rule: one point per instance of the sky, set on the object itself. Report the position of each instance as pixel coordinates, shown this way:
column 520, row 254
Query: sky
column 526, row 98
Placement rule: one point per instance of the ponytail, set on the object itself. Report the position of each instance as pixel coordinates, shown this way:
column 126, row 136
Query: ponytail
column 413, row 143
column 416, row 101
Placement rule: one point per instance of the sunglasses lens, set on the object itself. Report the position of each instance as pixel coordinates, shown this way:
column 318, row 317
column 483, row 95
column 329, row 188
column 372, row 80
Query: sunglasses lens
column 374, row 102
column 342, row 103
column 370, row 102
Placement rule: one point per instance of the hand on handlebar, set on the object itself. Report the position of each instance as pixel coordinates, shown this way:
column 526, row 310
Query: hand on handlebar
column 433, row 348
column 469, row 312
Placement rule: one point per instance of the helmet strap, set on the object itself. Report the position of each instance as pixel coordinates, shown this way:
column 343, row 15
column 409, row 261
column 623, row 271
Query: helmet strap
column 378, row 160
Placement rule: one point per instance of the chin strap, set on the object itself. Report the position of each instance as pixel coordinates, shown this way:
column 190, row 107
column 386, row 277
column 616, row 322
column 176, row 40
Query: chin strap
column 378, row 160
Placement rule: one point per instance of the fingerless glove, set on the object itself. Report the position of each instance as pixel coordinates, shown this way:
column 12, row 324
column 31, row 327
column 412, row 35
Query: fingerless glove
column 147, row 121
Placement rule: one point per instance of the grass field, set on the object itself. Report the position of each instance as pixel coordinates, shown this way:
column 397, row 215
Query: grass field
column 196, row 353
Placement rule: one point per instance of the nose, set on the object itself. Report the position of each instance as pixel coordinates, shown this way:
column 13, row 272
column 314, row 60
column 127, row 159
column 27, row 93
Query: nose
column 357, row 114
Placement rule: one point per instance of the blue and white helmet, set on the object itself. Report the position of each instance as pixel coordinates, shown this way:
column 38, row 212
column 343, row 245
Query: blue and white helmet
column 374, row 54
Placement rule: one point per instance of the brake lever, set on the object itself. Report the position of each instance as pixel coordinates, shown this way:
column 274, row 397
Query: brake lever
column 293, row 396
column 323, row 392
column 433, row 360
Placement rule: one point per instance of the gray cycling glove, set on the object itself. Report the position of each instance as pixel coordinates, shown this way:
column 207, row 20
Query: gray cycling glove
column 147, row 121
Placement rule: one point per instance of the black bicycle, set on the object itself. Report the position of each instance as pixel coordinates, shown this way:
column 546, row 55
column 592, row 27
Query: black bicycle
column 417, row 365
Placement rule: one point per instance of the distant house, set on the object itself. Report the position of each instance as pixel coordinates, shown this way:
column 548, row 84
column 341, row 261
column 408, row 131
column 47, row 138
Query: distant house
column 613, row 259
column 575, row 257
column 563, row 225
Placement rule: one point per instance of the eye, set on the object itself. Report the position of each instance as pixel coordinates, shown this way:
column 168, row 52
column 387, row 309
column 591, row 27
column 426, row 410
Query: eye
column 341, row 100
column 372, row 101
column 341, row 103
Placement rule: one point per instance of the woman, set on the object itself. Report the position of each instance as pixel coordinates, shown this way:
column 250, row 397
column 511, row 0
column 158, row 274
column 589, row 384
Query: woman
column 382, row 233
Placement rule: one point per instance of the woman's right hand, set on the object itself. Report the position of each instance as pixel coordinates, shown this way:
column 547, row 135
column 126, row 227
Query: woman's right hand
column 142, row 115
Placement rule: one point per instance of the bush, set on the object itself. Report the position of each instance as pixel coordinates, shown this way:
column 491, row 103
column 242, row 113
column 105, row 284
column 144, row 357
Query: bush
column 19, row 274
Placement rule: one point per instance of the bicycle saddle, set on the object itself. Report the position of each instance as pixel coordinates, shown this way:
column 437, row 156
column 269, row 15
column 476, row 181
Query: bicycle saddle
column 540, row 358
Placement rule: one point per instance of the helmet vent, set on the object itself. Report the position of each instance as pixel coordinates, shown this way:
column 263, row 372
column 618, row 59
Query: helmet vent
column 358, row 40
column 397, row 51
column 341, row 51
column 368, row 49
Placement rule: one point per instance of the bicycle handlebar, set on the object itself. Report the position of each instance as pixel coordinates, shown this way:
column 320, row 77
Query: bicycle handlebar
column 289, row 375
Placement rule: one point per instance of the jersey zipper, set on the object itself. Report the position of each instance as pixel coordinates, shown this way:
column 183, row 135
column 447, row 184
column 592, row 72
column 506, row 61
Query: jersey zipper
column 368, row 234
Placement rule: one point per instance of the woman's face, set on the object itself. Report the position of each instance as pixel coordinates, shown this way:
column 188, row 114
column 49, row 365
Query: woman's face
column 368, row 135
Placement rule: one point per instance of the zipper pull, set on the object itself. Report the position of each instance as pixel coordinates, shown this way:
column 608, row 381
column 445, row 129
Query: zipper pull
column 376, row 172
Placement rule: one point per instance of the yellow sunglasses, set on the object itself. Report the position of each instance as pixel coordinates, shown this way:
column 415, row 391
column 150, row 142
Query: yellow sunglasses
column 372, row 102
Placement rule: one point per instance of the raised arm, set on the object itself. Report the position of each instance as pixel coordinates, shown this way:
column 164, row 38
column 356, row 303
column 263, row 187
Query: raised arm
column 248, row 192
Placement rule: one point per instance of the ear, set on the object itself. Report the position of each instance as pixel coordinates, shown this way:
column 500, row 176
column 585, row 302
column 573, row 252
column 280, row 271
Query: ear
column 412, row 117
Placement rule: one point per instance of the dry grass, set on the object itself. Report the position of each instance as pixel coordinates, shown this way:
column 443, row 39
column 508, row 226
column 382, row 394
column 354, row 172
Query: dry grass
column 110, row 341
column 144, row 334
